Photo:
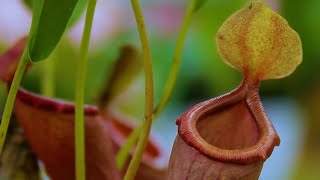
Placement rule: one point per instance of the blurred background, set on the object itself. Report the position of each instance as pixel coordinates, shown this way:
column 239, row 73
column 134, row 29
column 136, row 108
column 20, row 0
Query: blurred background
column 292, row 103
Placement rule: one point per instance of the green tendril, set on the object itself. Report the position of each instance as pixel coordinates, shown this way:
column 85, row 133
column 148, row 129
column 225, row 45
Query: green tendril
column 149, row 94
column 79, row 112
column 123, row 154
column 12, row 96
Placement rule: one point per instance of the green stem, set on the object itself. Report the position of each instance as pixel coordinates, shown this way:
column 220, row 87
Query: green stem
column 176, row 59
column 136, row 159
column 48, row 85
column 79, row 112
column 123, row 153
column 125, row 150
column 12, row 96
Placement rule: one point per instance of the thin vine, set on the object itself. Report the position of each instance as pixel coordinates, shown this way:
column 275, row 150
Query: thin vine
column 12, row 96
column 124, row 151
column 149, row 93
column 79, row 112
column 48, row 84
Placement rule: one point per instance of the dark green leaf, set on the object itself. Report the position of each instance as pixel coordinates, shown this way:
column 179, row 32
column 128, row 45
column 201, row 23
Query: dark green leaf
column 199, row 4
column 76, row 14
column 125, row 70
column 50, row 19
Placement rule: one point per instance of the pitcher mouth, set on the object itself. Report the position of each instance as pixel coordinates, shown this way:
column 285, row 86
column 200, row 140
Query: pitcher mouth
column 54, row 105
column 222, row 136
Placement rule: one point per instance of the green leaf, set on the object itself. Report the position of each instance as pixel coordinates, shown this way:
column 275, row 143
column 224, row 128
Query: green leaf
column 79, row 10
column 199, row 5
column 28, row 3
column 125, row 70
column 50, row 19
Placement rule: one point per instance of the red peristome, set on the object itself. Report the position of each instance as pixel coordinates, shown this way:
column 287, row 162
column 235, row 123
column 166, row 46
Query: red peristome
column 54, row 105
column 236, row 144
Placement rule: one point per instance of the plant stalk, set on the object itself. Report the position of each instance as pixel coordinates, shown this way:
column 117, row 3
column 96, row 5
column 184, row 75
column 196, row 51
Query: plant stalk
column 125, row 150
column 149, row 93
column 79, row 112
column 12, row 96
column 176, row 59
column 48, row 84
